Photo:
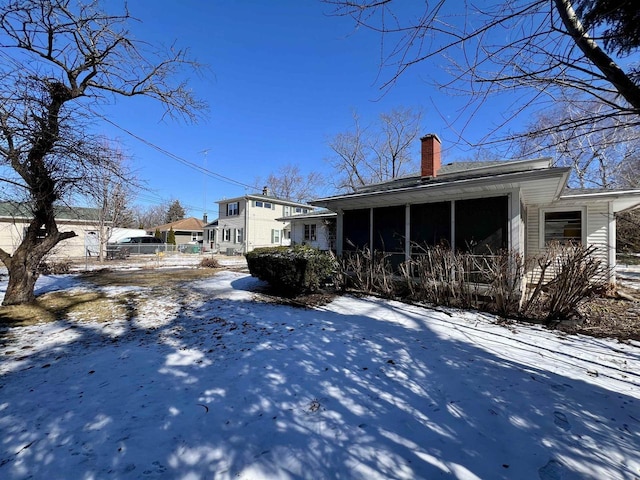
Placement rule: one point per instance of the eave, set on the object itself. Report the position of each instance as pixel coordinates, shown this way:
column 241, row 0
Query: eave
column 535, row 186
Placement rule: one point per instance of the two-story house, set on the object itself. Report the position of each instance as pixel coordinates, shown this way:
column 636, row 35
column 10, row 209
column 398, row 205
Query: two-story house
column 250, row 221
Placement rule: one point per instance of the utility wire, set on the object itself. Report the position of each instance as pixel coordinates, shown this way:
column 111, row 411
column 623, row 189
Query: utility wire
column 175, row 157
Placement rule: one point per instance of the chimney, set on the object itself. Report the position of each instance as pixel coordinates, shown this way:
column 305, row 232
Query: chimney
column 204, row 217
column 431, row 162
column 265, row 191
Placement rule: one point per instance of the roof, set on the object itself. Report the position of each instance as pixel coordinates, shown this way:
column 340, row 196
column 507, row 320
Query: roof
column 265, row 198
column 62, row 212
column 621, row 199
column 308, row 216
column 190, row 224
column 536, row 180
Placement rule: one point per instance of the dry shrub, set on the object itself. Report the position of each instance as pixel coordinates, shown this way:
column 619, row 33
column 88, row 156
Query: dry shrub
column 209, row 263
column 566, row 277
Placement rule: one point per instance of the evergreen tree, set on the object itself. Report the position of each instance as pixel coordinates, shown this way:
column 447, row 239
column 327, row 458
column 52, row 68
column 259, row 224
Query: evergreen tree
column 157, row 234
column 175, row 212
column 171, row 237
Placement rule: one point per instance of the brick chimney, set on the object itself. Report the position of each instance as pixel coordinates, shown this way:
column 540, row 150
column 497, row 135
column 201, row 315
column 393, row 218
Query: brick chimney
column 431, row 162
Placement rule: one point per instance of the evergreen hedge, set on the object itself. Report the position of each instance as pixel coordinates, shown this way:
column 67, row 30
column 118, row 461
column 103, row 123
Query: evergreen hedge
column 292, row 270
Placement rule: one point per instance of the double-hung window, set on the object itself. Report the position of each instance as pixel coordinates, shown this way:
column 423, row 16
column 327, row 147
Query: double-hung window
column 310, row 232
column 233, row 209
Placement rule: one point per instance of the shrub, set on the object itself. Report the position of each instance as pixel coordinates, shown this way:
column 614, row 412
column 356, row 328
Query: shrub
column 209, row 263
column 54, row 268
column 292, row 270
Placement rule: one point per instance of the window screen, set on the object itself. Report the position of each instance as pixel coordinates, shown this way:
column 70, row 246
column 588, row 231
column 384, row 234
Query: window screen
column 430, row 225
column 356, row 229
column 481, row 225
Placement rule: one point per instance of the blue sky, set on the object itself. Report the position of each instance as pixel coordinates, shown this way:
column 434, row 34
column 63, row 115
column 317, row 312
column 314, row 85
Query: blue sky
column 282, row 78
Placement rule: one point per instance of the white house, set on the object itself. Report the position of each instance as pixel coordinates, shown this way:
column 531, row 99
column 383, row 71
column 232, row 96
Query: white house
column 316, row 229
column 478, row 207
column 15, row 218
column 252, row 221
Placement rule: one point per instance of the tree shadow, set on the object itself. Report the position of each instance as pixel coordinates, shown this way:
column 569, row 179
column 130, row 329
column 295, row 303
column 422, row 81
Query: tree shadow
column 361, row 388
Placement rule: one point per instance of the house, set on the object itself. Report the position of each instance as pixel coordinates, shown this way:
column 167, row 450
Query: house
column 251, row 221
column 187, row 230
column 15, row 218
column 316, row 229
column 477, row 207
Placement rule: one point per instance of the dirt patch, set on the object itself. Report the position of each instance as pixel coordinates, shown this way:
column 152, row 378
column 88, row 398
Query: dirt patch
column 616, row 316
column 96, row 306
column 54, row 305
column 147, row 278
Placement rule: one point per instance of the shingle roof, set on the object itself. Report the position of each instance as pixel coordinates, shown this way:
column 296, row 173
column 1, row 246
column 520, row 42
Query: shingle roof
column 63, row 212
column 190, row 224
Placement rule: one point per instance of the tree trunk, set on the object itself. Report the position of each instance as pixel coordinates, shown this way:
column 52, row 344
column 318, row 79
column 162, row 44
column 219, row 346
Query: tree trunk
column 23, row 273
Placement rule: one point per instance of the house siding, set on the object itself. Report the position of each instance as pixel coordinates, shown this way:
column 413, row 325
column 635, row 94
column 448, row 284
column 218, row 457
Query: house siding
column 11, row 232
column 596, row 230
column 258, row 223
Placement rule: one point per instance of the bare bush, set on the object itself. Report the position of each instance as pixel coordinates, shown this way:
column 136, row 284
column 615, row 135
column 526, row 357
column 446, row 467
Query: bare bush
column 560, row 280
column 209, row 263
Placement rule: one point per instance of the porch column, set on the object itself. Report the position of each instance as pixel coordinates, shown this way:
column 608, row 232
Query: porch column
column 407, row 232
column 339, row 232
column 453, row 226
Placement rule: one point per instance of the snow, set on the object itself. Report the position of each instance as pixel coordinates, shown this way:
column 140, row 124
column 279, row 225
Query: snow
column 226, row 385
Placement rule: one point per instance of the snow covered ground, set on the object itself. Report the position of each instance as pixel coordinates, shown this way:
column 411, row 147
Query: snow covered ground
column 222, row 385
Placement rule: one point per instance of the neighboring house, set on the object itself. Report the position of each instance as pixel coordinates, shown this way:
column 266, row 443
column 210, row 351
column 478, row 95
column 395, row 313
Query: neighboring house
column 209, row 235
column 187, row 230
column 251, row 221
column 477, row 207
column 316, row 229
column 15, row 218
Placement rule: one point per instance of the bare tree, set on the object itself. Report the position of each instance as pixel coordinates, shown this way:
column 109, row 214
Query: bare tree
column 541, row 49
column 111, row 194
column 604, row 154
column 58, row 58
column 379, row 152
column 291, row 184
column 150, row 216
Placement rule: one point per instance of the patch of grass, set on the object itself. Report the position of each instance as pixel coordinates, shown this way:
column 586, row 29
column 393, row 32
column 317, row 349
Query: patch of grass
column 146, row 278
column 53, row 306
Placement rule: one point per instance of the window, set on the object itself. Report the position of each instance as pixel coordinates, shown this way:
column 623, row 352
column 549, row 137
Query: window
column 238, row 235
column 233, row 209
column 481, row 225
column 275, row 236
column 310, row 232
column 430, row 225
column 286, row 234
column 286, row 210
column 302, row 210
column 356, row 229
column 563, row 227
column 267, row 205
column 258, row 203
column 226, row 235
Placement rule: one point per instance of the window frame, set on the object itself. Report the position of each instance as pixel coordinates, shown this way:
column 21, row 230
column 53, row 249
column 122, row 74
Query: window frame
column 543, row 223
column 310, row 232
column 231, row 211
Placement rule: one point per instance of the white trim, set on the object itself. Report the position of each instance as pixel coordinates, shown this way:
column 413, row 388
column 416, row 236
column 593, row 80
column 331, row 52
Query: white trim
column 541, row 222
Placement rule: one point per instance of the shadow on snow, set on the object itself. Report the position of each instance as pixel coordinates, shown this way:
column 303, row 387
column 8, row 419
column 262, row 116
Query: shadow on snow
column 236, row 388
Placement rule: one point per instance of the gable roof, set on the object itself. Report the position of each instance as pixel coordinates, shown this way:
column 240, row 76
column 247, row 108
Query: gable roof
column 191, row 224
